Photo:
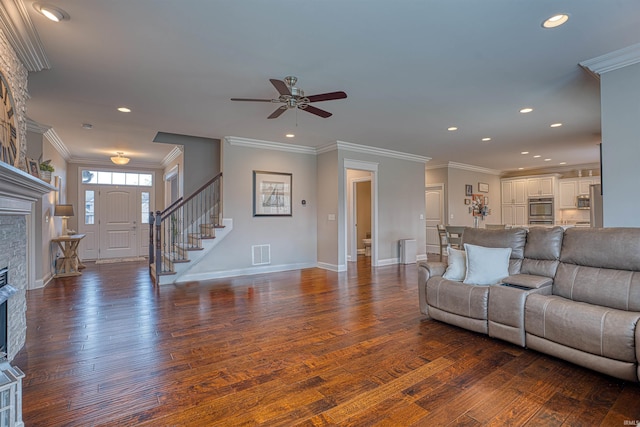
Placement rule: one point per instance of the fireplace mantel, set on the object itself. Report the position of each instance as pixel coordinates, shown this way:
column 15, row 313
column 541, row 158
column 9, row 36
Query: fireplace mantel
column 19, row 190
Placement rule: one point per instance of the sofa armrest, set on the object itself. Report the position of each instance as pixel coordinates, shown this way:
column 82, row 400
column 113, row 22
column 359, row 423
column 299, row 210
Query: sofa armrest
column 427, row 270
column 529, row 281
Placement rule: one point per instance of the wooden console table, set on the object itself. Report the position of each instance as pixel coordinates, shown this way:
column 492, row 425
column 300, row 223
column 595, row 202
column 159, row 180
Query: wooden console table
column 69, row 264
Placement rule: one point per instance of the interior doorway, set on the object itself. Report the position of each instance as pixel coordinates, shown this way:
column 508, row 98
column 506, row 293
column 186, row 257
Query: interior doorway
column 358, row 171
column 359, row 242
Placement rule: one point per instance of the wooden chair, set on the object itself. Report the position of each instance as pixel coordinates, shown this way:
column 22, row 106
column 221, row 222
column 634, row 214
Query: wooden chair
column 444, row 240
column 454, row 236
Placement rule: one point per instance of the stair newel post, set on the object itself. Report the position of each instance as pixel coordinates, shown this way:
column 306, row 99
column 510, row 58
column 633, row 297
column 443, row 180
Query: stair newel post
column 158, row 257
column 151, row 248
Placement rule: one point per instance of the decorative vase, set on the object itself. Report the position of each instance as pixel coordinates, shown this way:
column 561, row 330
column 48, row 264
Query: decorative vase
column 45, row 176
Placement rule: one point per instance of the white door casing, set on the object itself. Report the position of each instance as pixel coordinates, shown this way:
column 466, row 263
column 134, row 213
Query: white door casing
column 434, row 199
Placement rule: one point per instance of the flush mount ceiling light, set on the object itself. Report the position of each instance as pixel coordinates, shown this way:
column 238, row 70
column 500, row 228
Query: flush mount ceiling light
column 120, row 159
column 526, row 110
column 124, row 109
column 556, row 20
column 52, row 13
column 87, row 126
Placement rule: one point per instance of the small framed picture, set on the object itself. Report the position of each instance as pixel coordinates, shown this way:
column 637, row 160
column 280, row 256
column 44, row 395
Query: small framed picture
column 483, row 187
column 486, row 200
column 33, row 168
column 468, row 189
column 272, row 193
column 467, row 201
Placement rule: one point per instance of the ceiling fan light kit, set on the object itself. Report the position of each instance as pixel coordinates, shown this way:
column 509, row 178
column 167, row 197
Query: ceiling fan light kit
column 293, row 97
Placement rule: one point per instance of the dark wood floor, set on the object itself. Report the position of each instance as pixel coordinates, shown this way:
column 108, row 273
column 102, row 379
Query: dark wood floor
column 307, row 347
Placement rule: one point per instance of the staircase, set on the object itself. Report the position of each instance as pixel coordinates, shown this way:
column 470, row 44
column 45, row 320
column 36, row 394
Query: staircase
column 184, row 232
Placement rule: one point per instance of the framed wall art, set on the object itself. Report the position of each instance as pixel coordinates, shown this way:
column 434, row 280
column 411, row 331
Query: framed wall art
column 483, row 187
column 468, row 189
column 272, row 193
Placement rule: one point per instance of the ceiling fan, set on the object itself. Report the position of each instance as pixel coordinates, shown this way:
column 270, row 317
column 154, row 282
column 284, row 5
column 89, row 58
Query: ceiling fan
column 294, row 97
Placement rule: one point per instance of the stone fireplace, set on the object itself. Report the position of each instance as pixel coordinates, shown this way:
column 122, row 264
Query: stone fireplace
column 18, row 193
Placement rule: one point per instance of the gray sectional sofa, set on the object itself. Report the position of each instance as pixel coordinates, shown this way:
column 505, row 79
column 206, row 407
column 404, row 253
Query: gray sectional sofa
column 573, row 294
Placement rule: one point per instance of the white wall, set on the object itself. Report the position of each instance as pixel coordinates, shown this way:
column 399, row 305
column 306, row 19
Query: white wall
column 620, row 95
column 327, row 190
column 292, row 238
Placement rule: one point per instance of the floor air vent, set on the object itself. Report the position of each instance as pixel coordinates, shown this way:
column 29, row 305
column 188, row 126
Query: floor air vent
column 261, row 254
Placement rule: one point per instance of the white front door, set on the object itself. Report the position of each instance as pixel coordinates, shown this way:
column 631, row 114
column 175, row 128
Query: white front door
column 115, row 221
column 434, row 197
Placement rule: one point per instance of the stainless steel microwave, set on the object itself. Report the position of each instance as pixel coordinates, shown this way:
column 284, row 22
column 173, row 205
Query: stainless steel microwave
column 583, row 202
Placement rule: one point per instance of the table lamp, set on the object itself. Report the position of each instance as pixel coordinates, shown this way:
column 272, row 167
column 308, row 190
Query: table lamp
column 65, row 211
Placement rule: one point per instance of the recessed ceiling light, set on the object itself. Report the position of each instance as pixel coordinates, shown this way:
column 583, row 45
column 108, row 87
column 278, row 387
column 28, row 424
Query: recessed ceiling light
column 563, row 163
column 547, row 160
column 452, row 128
column 486, row 139
column 526, row 110
column 556, row 20
column 525, row 152
column 536, row 156
column 124, row 109
column 52, row 13
column 556, row 125
column 289, row 135
column 520, row 169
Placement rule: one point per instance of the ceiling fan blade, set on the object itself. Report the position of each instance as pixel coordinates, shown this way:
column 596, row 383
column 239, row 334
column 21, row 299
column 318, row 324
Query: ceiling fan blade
column 327, row 96
column 278, row 112
column 280, row 86
column 251, row 99
column 318, row 112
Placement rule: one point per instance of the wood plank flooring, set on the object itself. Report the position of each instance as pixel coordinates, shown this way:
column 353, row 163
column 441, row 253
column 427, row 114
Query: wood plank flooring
column 309, row 347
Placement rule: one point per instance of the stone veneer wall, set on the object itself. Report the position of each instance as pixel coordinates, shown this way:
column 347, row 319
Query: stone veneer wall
column 13, row 228
column 13, row 254
column 16, row 75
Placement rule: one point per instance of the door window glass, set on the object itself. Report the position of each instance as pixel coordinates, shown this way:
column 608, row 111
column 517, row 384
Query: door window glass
column 89, row 207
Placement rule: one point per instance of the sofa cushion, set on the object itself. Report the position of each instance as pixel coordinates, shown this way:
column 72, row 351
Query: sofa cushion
column 486, row 266
column 457, row 267
column 618, row 289
column 613, row 248
column 542, row 251
column 590, row 328
column 514, row 238
column 458, row 298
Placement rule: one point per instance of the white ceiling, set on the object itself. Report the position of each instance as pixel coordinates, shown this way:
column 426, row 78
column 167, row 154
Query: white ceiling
column 410, row 69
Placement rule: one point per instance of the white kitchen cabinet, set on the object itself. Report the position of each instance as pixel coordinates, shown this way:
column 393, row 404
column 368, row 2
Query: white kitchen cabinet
column 515, row 215
column 543, row 186
column 568, row 189
column 584, row 183
column 514, row 191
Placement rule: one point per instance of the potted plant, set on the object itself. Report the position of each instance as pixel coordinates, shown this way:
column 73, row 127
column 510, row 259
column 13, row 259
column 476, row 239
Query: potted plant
column 45, row 170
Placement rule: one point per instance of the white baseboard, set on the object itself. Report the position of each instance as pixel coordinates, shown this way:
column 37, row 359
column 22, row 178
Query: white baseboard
column 388, row 261
column 244, row 272
column 332, row 267
column 421, row 257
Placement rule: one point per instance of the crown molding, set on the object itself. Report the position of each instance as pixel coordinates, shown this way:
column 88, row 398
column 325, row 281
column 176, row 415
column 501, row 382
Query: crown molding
column 57, row 143
column 268, row 145
column 471, row 168
column 22, row 35
column 133, row 164
column 173, row 154
column 383, row 152
column 612, row 61
column 33, row 126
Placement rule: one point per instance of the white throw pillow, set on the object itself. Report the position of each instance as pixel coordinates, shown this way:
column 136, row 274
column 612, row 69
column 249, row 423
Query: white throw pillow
column 457, row 267
column 486, row 266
